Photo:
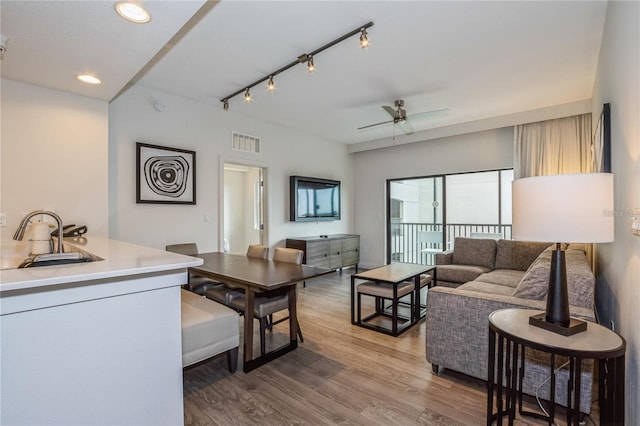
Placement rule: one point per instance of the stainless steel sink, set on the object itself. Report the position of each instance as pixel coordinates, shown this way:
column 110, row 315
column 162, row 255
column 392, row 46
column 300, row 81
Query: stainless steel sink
column 52, row 259
column 15, row 257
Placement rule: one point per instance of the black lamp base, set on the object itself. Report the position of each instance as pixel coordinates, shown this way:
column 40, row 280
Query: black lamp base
column 575, row 326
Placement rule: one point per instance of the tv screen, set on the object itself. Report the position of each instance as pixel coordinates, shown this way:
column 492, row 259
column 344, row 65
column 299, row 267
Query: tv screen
column 314, row 199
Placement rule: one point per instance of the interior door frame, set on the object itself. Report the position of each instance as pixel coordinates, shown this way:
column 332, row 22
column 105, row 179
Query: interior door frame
column 265, row 197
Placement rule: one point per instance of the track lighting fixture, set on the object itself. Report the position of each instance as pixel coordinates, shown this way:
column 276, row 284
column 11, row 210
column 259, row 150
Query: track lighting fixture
column 310, row 66
column 364, row 38
column 304, row 58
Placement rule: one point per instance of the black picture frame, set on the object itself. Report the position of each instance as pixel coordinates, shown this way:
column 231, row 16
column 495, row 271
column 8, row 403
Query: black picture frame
column 602, row 140
column 165, row 175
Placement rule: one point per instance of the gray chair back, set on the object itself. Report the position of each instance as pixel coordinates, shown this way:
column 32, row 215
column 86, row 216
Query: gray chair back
column 188, row 249
column 258, row 251
column 288, row 255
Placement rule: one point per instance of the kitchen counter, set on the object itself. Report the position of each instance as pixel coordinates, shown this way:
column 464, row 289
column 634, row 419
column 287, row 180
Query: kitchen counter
column 93, row 343
column 120, row 259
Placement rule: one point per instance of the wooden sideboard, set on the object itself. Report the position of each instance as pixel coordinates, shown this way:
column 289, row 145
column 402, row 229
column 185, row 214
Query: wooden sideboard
column 333, row 251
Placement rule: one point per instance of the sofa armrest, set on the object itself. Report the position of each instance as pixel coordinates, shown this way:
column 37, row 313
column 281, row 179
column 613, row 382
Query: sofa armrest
column 458, row 327
column 457, row 323
column 444, row 258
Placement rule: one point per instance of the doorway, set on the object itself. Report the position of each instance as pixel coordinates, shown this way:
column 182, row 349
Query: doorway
column 243, row 209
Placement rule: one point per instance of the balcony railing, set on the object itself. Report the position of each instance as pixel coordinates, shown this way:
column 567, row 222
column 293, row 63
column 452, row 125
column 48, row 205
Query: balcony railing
column 406, row 245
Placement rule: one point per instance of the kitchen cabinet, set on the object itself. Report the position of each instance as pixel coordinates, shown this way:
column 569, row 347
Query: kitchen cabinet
column 97, row 342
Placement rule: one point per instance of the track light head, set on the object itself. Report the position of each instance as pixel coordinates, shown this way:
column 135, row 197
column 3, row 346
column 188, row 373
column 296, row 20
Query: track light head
column 247, row 95
column 364, row 38
column 271, row 86
column 310, row 66
column 225, row 104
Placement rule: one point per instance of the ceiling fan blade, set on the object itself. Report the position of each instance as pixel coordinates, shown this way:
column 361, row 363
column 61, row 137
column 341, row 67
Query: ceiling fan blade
column 369, row 126
column 392, row 112
column 429, row 114
column 406, row 127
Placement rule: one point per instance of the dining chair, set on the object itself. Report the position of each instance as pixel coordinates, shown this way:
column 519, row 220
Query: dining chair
column 267, row 305
column 225, row 294
column 196, row 284
column 258, row 251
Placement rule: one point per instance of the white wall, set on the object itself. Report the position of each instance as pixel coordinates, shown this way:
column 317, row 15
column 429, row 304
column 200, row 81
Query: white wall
column 487, row 150
column 618, row 284
column 54, row 156
column 207, row 130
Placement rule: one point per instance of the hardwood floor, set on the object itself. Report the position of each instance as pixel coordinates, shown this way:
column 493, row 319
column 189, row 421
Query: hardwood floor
column 341, row 374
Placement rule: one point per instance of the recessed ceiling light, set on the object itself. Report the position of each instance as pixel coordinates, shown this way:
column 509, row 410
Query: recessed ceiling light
column 133, row 12
column 88, row 78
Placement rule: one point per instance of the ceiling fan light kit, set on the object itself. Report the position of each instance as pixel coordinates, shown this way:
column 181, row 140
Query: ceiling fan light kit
column 304, row 58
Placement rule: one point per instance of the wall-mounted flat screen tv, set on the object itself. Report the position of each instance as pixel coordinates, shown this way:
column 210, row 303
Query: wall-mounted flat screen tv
column 314, row 199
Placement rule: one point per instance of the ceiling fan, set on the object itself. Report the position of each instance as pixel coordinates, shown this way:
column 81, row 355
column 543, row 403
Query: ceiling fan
column 399, row 116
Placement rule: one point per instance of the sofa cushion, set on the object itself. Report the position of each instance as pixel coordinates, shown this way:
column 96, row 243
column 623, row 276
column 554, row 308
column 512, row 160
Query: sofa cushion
column 517, row 255
column 580, row 279
column 487, row 288
column 459, row 273
column 503, row 277
column 474, row 251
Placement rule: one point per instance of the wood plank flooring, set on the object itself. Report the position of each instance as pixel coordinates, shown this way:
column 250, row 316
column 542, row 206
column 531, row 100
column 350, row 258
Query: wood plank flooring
column 341, row 374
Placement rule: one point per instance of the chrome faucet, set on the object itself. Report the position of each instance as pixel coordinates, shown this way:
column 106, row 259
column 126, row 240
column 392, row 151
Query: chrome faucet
column 19, row 235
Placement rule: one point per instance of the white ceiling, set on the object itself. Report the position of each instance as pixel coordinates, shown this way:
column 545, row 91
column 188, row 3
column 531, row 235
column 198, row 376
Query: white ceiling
column 479, row 59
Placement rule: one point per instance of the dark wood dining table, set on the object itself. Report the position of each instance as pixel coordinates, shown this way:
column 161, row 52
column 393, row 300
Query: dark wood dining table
column 258, row 276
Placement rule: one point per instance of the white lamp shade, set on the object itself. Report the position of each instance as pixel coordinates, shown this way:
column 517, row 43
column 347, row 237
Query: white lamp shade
column 572, row 208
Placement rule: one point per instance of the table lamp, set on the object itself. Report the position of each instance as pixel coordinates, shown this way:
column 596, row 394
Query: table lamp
column 569, row 208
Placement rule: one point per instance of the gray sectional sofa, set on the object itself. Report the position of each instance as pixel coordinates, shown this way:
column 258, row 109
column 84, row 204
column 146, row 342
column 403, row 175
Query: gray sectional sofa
column 480, row 276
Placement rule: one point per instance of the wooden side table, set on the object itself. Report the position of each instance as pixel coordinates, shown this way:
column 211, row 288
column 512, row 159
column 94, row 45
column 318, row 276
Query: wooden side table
column 514, row 334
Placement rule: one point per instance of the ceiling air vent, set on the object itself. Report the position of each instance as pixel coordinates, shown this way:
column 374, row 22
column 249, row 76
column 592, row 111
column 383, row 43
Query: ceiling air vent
column 245, row 143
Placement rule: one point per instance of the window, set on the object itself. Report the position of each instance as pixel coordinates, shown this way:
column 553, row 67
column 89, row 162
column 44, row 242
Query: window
column 479, row 198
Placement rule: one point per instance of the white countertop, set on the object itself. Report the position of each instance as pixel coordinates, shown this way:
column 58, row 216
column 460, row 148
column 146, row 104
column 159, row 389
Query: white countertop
column 120, row 259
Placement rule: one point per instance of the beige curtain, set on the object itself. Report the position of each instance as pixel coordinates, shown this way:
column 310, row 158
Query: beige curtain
column 553, row 147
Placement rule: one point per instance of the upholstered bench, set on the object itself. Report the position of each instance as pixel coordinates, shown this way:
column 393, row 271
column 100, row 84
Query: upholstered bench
column 208, row 329
column 384, row 291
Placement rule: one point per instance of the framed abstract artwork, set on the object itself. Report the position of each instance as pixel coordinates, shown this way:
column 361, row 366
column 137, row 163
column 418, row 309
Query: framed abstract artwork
column 165, row 175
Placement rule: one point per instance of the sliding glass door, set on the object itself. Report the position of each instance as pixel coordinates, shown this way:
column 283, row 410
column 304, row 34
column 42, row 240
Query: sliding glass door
column 426, row 214
column 415, row 219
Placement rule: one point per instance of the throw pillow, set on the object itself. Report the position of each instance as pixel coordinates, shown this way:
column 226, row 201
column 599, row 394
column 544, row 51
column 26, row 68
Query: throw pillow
column 535, row 283
column 580, row 278
column 474, row 251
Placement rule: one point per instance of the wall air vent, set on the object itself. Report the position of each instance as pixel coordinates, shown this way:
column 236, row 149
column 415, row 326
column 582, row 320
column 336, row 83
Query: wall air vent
column 245, row 143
